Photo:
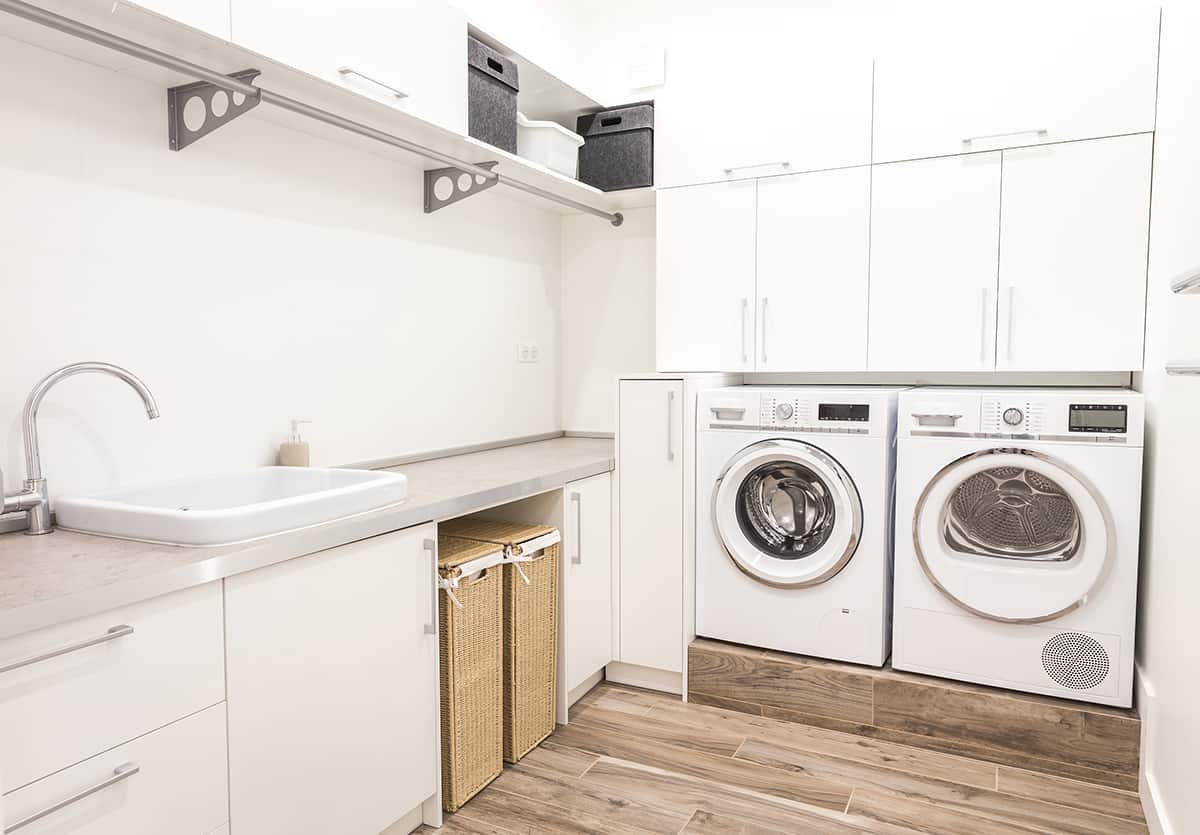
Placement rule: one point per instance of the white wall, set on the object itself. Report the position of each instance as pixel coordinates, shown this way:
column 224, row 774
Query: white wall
column 607, row 314
column 1168, row 615
column 259, row 275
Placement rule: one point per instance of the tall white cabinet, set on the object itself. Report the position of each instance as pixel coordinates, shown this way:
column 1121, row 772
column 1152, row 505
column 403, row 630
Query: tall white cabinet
column 332, row 688
column 587, row 552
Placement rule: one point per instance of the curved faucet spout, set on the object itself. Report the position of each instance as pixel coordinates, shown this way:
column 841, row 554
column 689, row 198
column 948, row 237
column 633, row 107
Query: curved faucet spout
column 33, row 457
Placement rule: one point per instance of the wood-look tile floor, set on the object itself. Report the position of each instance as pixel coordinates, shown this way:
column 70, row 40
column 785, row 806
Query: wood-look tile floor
column 632, row 761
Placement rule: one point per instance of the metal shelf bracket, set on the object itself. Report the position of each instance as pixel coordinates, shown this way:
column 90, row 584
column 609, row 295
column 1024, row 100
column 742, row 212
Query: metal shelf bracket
column 206, row 105
column 444, row 186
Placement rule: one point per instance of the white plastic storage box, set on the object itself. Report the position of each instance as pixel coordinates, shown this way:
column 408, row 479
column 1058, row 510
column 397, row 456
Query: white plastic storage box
column 548, row 144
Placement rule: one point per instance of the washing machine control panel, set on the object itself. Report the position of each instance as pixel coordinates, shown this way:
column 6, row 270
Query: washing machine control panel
column 774, row 410
column 1025, row 416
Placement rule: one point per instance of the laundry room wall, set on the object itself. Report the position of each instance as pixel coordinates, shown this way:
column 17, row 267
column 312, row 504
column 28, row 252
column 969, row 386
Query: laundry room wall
column 1169, row 678
column 260, row 275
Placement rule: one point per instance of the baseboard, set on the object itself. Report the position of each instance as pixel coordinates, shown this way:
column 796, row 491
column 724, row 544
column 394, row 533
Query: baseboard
column 647, row 678
column 408, row 823
column 585, row 686
column 1152, row 806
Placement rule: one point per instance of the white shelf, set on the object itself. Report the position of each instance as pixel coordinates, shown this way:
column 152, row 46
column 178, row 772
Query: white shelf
column 169, row 36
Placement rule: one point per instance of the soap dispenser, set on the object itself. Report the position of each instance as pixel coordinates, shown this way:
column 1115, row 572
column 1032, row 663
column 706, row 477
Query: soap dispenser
column 294, row 451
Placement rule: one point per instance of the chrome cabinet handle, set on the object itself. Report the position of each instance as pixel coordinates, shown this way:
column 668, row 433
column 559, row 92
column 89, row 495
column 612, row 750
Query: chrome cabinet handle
column 967, row 140
column 1176, row 369
column 983, row 309
column 400, row 94
column 764, row 330
column 1012, row 292
column 111, row 635
column 121, row 772
column 1187, row 283
column 783, row 163
column 670, row 425
column 577, row 500
column 430, row 545
column 745, row 311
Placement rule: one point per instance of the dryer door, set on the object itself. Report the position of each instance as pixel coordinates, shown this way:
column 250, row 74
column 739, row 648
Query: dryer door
column 1013, row 535
column 787, row 513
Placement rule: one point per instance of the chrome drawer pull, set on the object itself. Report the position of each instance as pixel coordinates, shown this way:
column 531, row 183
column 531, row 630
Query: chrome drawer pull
column 400, row 94
column 111, row 635
column 783, row 163
column 1179, row 370
column 1187, row 283
column 121, row 772
column 1041, row 132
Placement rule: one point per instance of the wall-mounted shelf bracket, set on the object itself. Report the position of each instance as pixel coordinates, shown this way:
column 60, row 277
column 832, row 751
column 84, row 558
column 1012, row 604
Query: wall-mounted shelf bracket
column 444, row 186
column 196, row 110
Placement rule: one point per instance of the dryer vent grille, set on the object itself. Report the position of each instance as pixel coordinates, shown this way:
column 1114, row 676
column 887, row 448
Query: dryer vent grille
column 1075, row 661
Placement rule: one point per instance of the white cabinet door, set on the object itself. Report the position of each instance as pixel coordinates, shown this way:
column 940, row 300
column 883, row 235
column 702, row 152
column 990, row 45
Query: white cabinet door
column 749, row 107
column 333, row 692
column 1020, row 76
column 813, row 253
column 211, row 16
column 411, row 54
column 705, row 277
column 587, row 578
column 172, row 780
column 934, row 238
column 1073, row 238
column 650, row 470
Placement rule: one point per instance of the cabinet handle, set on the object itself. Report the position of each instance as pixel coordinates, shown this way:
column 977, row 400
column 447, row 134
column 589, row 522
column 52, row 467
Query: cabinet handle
column 670, row 425
column 430, row 545
column 983, row 329
column 783, row 163
column 111, row 635
column 967, row 140
column 577, row 500
column 745, row 311
column 1176, row 369
column 400, row 94
column 1187, row 283
column 121, row 772
column 1012, row 293
column 764, row 330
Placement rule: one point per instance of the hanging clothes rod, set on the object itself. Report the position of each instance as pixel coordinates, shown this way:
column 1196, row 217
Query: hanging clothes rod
column 82, row 31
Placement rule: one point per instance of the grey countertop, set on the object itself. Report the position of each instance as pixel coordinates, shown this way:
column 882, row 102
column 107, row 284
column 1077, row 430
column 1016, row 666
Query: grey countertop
column 51, row 579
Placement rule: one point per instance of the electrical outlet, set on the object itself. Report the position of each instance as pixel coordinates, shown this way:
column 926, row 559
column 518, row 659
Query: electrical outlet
column 528, row 352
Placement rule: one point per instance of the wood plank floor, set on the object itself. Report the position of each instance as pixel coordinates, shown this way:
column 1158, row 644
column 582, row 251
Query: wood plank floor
column 633, row 761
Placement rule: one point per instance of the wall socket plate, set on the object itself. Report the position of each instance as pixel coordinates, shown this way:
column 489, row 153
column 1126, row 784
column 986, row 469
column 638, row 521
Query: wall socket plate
column 528, row 352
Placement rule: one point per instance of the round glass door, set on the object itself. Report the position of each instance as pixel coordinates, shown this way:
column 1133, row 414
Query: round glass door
column 787, row 513
column 1012, row 535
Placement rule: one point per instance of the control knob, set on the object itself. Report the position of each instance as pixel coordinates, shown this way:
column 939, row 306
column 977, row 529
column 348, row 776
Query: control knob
column 784, row 411
column 1014, row 416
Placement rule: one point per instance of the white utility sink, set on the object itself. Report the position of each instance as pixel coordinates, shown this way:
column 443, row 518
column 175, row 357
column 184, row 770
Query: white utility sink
column 222, row 509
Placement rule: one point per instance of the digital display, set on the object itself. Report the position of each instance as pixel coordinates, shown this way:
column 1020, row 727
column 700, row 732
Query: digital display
column 1098, row 417
column 844, row 411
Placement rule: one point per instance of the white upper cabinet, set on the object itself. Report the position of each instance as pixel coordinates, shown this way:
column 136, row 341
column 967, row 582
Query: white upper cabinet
column 211, row 16
column 411, row 54
column 935, row 227
column 705, row 296
column 744, row 107
column 1074, row 228
column 1035, row 74
column 812, row 263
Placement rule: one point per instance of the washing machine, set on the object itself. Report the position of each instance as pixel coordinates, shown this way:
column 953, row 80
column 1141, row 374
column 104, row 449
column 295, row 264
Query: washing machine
column 1017, row 515
column 794, row 519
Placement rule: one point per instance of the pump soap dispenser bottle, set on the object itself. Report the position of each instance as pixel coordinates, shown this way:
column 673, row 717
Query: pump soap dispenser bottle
column 294, row 451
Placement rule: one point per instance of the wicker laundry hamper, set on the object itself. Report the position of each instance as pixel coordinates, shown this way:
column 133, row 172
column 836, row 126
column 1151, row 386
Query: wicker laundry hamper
column 470, row 621
column 530, row 626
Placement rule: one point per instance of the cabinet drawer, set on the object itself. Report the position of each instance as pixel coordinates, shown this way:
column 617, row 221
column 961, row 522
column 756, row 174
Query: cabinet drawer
column 174, row 781
column 60, row 710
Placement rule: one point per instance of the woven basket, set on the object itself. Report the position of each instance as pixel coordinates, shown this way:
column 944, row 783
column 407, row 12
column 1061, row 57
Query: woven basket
column 530, row 632
column 472, row 660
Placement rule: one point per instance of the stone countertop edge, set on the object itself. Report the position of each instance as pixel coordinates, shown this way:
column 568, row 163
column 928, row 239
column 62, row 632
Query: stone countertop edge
column 218, row 562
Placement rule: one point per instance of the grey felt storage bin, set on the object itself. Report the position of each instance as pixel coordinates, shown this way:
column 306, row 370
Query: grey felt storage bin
column 618, row 147
column 492, row 87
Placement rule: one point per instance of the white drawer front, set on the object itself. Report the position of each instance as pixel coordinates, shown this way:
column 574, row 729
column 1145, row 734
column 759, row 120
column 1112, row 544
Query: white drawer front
column 61, row 710
column 180, row 786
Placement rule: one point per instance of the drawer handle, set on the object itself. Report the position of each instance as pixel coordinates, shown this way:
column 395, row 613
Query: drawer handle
column 1040, row 132
column 400, row 94
column 783, row 163
column 1180, row 370
column 430, row 546
column 577, row 500
column 121, row 772
column 111, row 635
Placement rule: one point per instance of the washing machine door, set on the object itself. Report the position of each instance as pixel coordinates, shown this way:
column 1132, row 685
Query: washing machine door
column 787, row 513
column 1013, row 535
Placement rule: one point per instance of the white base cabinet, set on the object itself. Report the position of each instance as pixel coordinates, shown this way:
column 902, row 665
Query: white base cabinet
column 333, row 689
column 172, row 780
column 587, row 608
column 651, row 519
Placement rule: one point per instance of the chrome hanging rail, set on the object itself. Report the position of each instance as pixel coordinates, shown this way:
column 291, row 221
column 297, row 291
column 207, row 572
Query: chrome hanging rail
column 82, row 31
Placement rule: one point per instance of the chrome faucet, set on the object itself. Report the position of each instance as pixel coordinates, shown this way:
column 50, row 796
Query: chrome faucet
column 34, row 499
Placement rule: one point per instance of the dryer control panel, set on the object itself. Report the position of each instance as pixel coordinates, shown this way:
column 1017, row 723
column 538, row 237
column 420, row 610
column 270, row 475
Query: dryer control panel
column 802, row 409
